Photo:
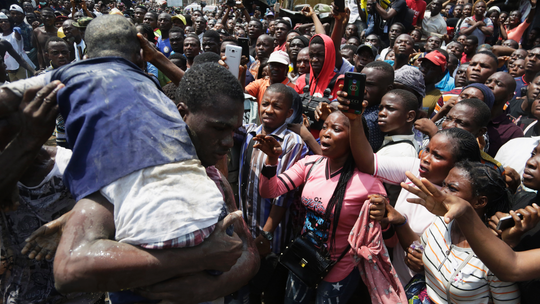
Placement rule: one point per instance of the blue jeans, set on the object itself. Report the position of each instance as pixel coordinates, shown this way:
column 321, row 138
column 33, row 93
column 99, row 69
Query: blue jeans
column 327, row 293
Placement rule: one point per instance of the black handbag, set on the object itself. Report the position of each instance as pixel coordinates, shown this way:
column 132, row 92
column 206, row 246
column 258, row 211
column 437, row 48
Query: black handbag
column 307, row 256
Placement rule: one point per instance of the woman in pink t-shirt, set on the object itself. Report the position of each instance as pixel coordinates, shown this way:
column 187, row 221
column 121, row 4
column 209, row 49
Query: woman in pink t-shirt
column 334, row 194
column 515, row 28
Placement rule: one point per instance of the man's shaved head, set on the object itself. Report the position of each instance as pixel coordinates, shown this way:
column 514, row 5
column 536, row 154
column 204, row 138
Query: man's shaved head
column 112, row 35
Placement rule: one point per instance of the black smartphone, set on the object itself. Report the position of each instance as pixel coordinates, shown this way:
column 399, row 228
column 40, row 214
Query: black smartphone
column 354, row 85
column 231, row 3
column 507, row 222
column 340, row 4
column 244, row 43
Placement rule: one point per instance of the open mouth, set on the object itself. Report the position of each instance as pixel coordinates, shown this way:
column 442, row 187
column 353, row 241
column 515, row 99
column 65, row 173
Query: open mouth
column 325, row 145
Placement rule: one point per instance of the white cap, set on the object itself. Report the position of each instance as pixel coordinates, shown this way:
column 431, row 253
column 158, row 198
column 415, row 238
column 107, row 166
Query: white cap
column 15, row 7
column 279, row 57
column 3, row 16
column 495, row 8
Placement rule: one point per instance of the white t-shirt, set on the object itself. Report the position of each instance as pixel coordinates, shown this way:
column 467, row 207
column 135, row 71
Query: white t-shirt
column 163, row 203
column 392, row 170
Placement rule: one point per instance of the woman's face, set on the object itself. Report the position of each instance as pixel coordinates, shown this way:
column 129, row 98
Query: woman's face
column 437, row 159
column 494, row 16
column 531, row 174
column 480, row 9
column 335, row 136
column 458, row 183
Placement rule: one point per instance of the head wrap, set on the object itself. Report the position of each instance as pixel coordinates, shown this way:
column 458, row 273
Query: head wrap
column 489, row 98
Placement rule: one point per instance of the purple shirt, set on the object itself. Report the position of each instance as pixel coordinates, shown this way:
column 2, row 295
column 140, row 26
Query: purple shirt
column 500, row 130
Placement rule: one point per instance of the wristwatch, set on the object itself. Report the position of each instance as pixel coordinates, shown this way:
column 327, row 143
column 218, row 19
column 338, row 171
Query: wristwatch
column 267, row 235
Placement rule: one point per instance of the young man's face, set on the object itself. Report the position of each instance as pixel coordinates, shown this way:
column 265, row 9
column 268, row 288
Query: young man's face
column 392, row 114
column 281, row 31
column 316, row 57
column 212, row 129
column 48, row 18
column 177, row 42
column 499, row 83
column 433, row 43
column 375, row 85
column 480, row 68
column 302, row 61
column 275, row 109
column 150, row 20
column 517, row 69
column 532, row 61
column 17, row 16
column 264, row 47
column 58, row 54
column 278, row 72
column 432, row 73
column 347, row 54
column 469, row 47
column 209, row 44
column 531, row 174
column 362, row 59
column 192, row 47
column 164, row 22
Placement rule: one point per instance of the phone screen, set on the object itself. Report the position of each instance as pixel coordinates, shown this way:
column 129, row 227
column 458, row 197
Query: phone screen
column 354, row 85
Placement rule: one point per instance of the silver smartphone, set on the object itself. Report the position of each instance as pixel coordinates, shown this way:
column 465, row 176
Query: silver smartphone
column 234, row 55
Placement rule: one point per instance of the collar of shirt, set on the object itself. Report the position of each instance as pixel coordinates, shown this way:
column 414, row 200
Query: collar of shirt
column 498, row 120
column 397, row 138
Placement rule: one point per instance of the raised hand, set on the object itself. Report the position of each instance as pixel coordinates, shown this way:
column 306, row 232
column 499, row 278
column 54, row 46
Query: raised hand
column 269, row 146
column 307, row 11
column 434, row 200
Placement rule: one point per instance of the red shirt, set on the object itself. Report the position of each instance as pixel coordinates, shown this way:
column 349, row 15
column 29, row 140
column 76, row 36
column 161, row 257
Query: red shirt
column 419, row 7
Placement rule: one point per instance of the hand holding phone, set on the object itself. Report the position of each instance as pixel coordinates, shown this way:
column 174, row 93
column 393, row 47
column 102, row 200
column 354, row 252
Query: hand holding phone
column 354, row 85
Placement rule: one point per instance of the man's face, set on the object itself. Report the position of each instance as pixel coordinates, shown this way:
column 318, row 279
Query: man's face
column 254, row 30
column 212, row 128
column 375, row 86
column 435, row 7
column 69, row 30
column 264, row 47
column 395, row 31
column 532, row 62
column 177, row 42
column 514, row 18
column 48, row 18
column 199, row 25
column 302, row 61
column 353, row 41
column 27, row 7
column 316, row 57
column 274, row 109
column 230, row 24
column 192, row 47
column 432, row 73
column 290, row 37
column 499, row 84
column 480, row 68
column 90, row 5
column 351, row 30
column 458, row 11
column 294, row 48
column 17, row 17
column 469, row 47
column 281, row 31
column 164, row 22
column 196, row 15
column 347, row 54
column 461, row 116
column 210, row 45
column 392, row 114
column 461, row 76
column 150, row 20
column 272, row 27
column 404, row 46
column 455, row 48
column 278, row 72
column 509, row 43
column 362, row 59
column 517, row 68
column 77, row 16
column 532, row 35
column 373, row 40
column 531, row 174
column 467, row 10
column 433, row 43
column 138, row 15
column 31, row 18
column 58, row 53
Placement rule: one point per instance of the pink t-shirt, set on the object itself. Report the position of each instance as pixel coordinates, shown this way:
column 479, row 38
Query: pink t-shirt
column 517, row 32
column 317, row 192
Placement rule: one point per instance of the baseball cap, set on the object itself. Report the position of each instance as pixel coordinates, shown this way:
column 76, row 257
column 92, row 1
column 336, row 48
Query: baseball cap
column 368, row 47
column 436, row 58
column 15, row 7
column 82, row 22
column 3, row 16
column 279, row 57
column 179, row 17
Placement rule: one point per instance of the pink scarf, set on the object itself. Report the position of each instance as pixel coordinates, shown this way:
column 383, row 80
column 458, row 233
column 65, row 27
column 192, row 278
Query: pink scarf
column 373, row 261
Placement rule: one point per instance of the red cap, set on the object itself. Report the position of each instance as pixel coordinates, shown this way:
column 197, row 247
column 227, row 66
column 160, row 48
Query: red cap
column 437, row 58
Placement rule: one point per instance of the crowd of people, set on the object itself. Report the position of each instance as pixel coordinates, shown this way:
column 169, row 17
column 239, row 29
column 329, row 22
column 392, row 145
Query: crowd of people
column 138, row 168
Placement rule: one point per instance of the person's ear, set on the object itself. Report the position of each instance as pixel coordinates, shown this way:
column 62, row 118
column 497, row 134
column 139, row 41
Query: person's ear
column 480, row 202
column 183, row 110
column 482, row 131
column 411, row 116
column 389, row 87
column 290, row 113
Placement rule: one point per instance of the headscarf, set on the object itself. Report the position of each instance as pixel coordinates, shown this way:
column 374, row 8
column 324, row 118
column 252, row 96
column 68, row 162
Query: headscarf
column 489, row 98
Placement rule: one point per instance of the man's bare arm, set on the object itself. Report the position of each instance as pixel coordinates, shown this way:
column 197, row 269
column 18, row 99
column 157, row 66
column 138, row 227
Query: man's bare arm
column 89, row 260
column 38, row 120
column 9, row 48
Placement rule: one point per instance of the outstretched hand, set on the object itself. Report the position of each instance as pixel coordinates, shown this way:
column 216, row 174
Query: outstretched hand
column 307, row 11
column 434, row 200
column 344, row 103
column 149, row 50
column 43, row 242
column 270, row 146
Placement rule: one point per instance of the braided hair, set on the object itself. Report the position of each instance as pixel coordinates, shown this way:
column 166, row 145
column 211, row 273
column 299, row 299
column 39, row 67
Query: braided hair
column 465, row 144
column 486, row 181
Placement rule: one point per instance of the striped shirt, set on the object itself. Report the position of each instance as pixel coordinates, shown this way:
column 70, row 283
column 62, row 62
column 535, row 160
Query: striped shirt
column 255, row 208
column 459, row 273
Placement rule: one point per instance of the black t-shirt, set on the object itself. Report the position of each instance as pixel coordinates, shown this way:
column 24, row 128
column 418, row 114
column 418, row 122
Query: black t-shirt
column 452, row 22
column 403, row 15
